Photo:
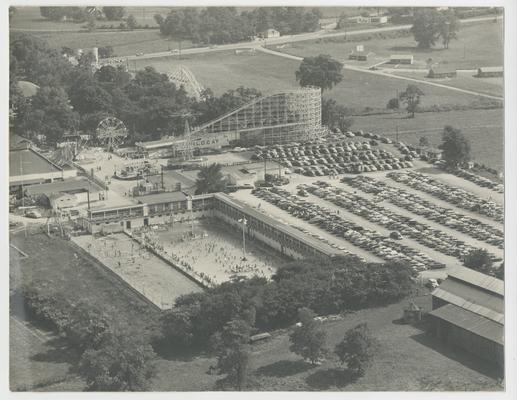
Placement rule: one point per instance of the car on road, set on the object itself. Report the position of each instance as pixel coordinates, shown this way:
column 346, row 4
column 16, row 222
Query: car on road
column 33, row 214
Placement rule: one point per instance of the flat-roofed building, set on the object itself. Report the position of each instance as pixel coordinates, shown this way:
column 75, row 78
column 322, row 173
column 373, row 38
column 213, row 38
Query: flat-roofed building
column 28, row 167
column 490, row 72
column 468, row 312
column 401, row 59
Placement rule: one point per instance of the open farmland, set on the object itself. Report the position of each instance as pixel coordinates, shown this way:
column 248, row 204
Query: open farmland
column 484, row 129
column 478, row 44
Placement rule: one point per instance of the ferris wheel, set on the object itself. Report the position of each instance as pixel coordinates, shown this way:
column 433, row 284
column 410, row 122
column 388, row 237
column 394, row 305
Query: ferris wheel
column 111, row 132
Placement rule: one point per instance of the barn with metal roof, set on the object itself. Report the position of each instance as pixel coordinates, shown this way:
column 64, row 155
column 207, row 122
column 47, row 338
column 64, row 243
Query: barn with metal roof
column 468, row 312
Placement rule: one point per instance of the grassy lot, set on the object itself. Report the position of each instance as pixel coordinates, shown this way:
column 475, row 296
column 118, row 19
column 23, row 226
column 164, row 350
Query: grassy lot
column 463, row 80
column 36, row 358
column 478, row 44
column 71, row 271
column 484, row 128
column 221, row 71
column 407, row 359
column 270, row 74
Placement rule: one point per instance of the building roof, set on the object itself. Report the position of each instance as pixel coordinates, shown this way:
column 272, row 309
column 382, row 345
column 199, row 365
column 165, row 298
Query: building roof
column 478, row 279
column 475, row 292
column 72, row 185
column 471, row 322
column 442, row 70
column 400, row 56
column 159, row 198
column 27, row 88
column 491, row 69
column 302, row 237
column 28, row 161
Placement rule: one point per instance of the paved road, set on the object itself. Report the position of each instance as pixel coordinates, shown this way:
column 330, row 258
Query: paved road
column 283, row 39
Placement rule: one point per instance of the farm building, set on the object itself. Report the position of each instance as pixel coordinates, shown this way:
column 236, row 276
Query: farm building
column 401, row 59
column 359, row 55
column 377, row 19
column 29, row 167
column 489, row 72
column 468, row 313
column 270, row 33
column 437, row 73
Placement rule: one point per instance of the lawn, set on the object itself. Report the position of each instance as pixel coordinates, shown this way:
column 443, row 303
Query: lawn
column 463, row 80
column 478, row 44
column 270, row 74
column 407, row 359
column 484, row 129
column 36, row 358
column 68, row 269
column 221, row 71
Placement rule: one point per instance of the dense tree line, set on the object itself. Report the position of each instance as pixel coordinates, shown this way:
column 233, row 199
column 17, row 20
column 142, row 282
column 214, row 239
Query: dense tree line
column 431, row 25
column 75, row 98
column 111, row 358
column 324, row 285
column 220, row 25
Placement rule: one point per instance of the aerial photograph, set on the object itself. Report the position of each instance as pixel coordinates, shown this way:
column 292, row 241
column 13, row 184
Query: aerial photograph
column 260, row 199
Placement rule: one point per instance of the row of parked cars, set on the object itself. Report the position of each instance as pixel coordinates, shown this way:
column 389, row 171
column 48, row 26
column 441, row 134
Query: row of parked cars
column 478, row 180
column 373, row 212
column 451, row 194
column 424, row 208
column 332, row 158
column 369, row 240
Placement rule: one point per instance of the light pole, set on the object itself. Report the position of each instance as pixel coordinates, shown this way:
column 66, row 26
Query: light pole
column 244, row 222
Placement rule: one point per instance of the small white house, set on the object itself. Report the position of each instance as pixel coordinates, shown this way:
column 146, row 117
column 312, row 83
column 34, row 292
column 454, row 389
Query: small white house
column 271, row 33
column 401, row 59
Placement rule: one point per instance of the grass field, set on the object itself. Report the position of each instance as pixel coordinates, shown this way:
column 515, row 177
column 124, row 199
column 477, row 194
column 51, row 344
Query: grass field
column 478, row 44
column 270, row 74
column 484, row 128
column 407, row 359
column 35, row 357
column 70, row 270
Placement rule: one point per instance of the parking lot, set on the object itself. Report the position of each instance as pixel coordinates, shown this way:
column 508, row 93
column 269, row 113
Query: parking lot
column 434, row 232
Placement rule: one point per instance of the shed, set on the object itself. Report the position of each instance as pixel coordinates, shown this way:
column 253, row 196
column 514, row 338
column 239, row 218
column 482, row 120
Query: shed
column 271, row 33
column 401, row 59
column 359, row 55
column 437, row 73
column 489, row 72
column 468, row 313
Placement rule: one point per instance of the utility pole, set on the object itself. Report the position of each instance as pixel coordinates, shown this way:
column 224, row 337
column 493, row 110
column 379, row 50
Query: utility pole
column 163, row 186
column 397, row 133
column 244, row 222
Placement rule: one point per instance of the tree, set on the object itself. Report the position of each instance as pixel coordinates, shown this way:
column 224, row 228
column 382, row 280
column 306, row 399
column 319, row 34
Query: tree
column 499, row 274
column 423, row 142
column 210, row 179
column 233, row 353
column 426, row 27
column 321, row 71
column 455, row 147
column 90, row 23
column 335, row 115
column 49, row 114
column 114, row 13
column 131, row 22
column 106, row 52
column 159, row 19
column 122, row 364
column 411, row 98
column 393, row 104
column 356, row 349
column 479, row 260
column 449, row 26
column 308, row 339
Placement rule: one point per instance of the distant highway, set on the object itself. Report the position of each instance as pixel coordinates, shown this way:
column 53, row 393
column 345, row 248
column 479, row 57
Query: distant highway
column 280, row 40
